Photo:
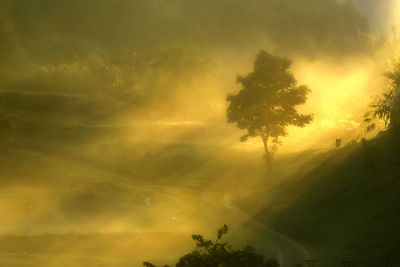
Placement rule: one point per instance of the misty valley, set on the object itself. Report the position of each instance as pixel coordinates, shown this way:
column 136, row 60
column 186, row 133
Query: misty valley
column 199, row 133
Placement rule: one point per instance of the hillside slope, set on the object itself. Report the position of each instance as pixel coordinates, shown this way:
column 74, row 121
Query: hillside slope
column 346, row 208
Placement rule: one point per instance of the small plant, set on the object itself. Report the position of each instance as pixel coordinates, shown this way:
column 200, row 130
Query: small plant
column 220, row 254
column 382, row 108
column 386, row 108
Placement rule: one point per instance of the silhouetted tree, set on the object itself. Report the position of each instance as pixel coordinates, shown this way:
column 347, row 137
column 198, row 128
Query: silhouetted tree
column 266, row 103
column 216, row 254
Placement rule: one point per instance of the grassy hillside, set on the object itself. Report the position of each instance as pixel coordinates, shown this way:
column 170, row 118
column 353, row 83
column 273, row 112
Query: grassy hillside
column 346, row 207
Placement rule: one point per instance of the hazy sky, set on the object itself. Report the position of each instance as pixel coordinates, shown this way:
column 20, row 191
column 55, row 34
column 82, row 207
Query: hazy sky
column 178, row 59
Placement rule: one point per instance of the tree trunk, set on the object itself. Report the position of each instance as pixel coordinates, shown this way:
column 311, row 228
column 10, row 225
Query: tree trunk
column 268, row 156
column 265, row 141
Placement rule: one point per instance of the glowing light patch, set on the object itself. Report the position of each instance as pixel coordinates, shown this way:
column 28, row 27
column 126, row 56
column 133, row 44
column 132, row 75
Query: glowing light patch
column 340, row 95
column 337, row 97
column 328, row 124
column 396, row 13
column 179, row 123
column 249, row 145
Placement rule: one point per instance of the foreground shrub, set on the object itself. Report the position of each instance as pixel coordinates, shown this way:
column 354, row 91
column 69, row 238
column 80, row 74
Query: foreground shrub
column 220, row 254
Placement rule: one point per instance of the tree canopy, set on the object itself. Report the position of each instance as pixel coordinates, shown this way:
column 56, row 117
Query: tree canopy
column 267, row 102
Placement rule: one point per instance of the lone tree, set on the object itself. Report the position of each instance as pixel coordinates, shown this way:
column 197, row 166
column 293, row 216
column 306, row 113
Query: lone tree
column 266, row 103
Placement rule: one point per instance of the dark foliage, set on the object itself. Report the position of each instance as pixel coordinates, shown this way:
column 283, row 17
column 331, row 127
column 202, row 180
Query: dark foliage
column 267, row 102
column 218, row 254
column 387, row 106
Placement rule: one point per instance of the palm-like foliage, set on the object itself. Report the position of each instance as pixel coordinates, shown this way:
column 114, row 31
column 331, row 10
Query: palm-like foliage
column 382, row 108
column 386, row 107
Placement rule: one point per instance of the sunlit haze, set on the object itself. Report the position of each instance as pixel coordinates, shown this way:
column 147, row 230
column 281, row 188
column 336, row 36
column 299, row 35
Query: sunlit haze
column 126, row 126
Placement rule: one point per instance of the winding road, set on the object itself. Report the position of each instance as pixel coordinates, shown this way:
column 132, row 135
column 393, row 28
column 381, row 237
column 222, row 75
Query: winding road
column 288, row 250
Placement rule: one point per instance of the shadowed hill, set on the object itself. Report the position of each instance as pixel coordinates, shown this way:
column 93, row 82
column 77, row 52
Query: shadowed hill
column 346, row 208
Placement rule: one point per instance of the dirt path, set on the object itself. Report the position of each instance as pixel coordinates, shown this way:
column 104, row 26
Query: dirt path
column 288, row 250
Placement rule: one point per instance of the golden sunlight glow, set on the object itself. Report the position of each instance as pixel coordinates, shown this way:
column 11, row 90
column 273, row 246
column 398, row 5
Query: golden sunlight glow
column 339, row 98
column 396, row 13
column 336, row 98
column 338, row 101
column 119, row 133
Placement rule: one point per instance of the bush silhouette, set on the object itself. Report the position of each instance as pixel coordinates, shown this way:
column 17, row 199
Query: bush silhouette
column 220, row 254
